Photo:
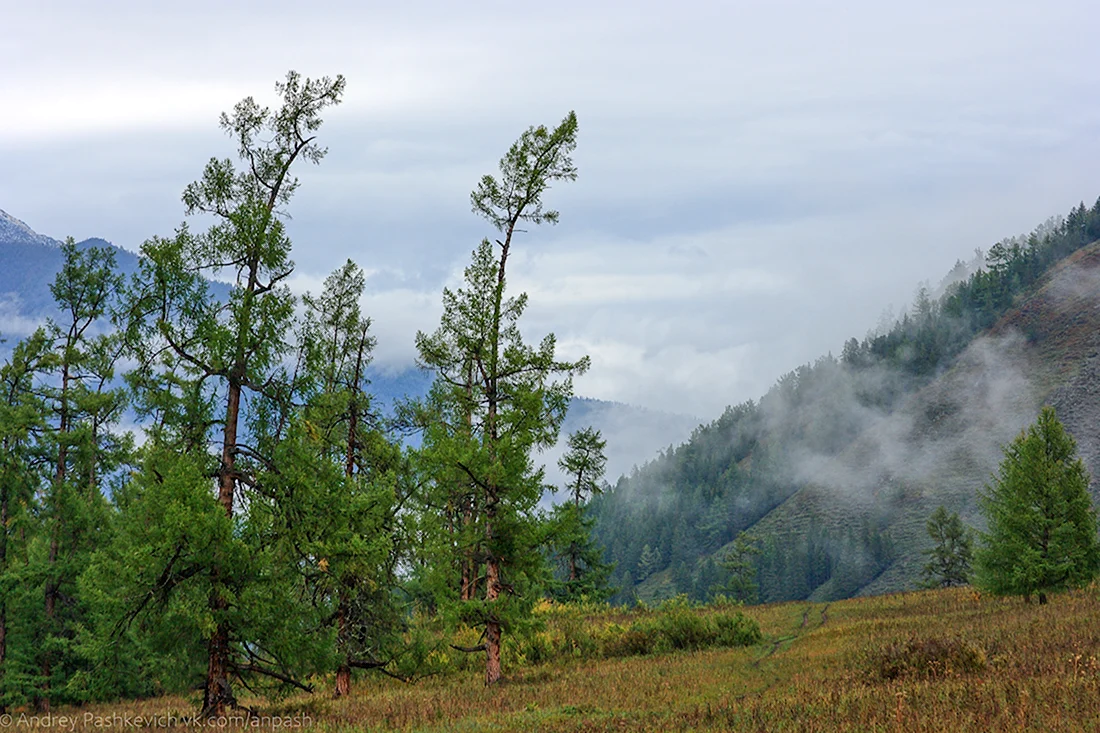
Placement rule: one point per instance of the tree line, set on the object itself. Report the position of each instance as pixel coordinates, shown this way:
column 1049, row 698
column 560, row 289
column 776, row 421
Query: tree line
column 265, row 528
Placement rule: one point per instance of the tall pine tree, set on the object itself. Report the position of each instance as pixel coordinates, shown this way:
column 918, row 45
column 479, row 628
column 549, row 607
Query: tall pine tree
column 197, row 548
column 496, row 399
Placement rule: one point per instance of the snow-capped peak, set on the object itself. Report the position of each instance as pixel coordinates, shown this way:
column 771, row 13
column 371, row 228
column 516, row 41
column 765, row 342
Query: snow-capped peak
column 14, row 231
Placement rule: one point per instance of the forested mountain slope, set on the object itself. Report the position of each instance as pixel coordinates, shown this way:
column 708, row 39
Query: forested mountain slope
column 835, row 471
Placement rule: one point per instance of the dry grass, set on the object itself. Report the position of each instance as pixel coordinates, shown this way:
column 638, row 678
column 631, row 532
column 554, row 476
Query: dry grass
column 817, row 669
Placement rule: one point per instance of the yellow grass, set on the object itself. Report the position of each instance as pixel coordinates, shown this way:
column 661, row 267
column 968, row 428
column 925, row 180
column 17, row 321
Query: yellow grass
column 814, row 671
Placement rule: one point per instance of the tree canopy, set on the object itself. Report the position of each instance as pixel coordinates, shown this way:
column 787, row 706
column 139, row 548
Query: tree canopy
column 1042, row 531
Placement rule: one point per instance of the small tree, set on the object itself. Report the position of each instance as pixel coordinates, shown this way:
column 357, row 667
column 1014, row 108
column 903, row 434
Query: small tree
column 649, row 562
column 739, row 562
column 586, row 575
column 1042, row 528
column 949, row 559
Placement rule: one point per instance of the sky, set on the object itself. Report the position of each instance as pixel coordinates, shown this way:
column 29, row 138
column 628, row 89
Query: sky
column 758, row 181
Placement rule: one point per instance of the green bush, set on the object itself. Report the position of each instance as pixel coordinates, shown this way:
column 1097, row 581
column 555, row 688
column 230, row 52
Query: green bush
column 683, row 629
column 629, row 642
column 675, row 624
column 679, row 628
column 736, row 629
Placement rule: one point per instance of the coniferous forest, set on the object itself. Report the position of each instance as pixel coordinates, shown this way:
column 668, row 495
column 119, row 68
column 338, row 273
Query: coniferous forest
column 265, row 527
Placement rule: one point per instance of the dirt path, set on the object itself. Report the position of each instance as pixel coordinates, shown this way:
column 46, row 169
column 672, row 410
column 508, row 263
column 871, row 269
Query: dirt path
column 779, row 641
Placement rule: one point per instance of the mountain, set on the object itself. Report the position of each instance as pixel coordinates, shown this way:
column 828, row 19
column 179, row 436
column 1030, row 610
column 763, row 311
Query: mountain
column 32, row 260
column 836, row 470
column 30, row 263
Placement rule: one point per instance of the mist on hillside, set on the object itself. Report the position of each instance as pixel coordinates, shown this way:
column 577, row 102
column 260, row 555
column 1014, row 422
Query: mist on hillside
column 954, row 427
column 633, row 434
column 836, row 469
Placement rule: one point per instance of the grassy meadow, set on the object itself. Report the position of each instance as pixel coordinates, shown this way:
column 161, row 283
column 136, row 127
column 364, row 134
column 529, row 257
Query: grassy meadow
column 946, row 660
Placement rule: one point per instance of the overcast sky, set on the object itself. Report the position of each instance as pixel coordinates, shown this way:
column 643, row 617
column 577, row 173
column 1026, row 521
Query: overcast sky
column 758, row 180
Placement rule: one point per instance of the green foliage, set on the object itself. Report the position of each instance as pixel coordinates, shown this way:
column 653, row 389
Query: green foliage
column 579, row 568
column 949, row 559
column 738, row 563
column 584, row 464
column 676, row 625
column 539, row 157
column 577, row 631
column 340, row 479
column 59, row 450
column 495, row 401
column 1042, row 531
column 23, row 411
column 203, row 555
column 81, row 452
column 649, row 562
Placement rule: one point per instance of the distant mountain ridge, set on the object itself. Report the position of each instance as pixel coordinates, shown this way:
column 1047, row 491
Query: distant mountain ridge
column 30, row 261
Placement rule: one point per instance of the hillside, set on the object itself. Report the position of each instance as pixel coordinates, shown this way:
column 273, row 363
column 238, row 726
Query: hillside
column 945, row 441
column 834, row 472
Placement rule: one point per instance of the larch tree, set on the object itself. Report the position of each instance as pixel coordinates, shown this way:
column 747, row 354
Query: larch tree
column 740, row 565
column 1042, row 532
column 83, row 406
column 950, row 556
column 496, row 400
column 348, row 472
column 210, row 564
column 585, row 573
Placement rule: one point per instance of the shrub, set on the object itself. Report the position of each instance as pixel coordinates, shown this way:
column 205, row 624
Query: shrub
column 679, row 628
column 736, row 629
column 930, row 658
column 637, row 640
column 674, row 624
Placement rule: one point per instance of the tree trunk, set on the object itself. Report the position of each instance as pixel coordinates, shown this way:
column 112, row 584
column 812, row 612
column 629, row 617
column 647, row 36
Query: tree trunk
column 492, row 627
column 1042, row 598
column 343, row 672
column 219, row 693
column 468, row 587
column 343, row 681
column 572, row 550
column 3, row 645
column 3, row 568
column 493, row 631
column 42, row 698
column 218, row 696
